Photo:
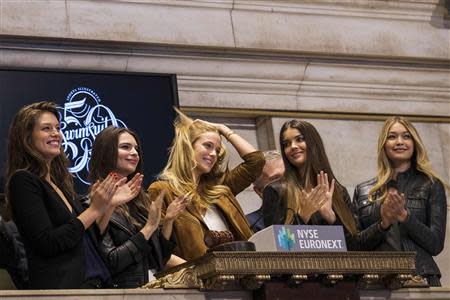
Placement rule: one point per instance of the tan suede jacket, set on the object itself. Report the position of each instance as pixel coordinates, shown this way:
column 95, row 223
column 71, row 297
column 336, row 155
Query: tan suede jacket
column 189, row 227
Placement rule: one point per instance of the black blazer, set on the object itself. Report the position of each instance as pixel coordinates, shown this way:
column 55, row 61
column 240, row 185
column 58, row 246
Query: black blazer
column 52, row 235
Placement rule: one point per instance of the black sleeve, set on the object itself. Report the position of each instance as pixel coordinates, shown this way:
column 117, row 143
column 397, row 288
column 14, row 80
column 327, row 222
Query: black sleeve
column 273, row 206
column 430, row 236
column 167, row 247
column 119, row 257
column 370, row 236
column 352, row 241
column 12, row 254
column 33, row 220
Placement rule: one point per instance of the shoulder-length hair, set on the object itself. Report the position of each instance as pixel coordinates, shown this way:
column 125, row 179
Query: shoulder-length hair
column 179, row 171
column 23, row 155
column 385, row 170
column 305, row 178
column 104, row 161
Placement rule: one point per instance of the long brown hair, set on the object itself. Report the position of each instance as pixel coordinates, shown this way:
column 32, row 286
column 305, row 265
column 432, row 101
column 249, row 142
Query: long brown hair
column 23, row 155
column 316, row 160
column 104, row 161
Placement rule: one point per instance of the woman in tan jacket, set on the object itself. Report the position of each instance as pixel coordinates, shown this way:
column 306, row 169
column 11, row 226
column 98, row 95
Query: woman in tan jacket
column 196, row 169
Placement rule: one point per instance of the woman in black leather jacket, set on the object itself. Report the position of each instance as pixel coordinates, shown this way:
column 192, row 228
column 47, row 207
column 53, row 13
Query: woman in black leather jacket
column 404, row 207
column 132, row 243
column 304, row 195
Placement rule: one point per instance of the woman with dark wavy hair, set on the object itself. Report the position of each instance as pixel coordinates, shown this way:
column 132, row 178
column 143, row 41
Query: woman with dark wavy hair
column 133, row 244
column 58, row 235
column 308, row 193
column 404, row 207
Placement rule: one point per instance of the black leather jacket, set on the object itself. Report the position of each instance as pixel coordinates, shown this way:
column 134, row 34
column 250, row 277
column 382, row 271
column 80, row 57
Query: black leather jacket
column 12, row 254
column 422, row 232
column 129, row 256
column 275, row 210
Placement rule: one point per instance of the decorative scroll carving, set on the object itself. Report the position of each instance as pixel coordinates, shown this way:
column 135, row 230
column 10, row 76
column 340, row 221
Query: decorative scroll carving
column 183, row 279
column 249, row 269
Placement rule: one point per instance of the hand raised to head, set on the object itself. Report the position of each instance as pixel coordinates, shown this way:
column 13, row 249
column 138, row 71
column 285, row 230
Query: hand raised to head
column 223, row 129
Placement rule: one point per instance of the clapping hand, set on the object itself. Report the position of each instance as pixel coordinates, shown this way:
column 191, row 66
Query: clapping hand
column 127, row 191
column 176, row 207
column 102, row 192
column 396, row 203
column 320, row 198
column 326, row 210
column 310, row 202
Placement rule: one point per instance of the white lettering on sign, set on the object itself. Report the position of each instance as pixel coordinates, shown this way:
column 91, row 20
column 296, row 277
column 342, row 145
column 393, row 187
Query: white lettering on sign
column 307, row 234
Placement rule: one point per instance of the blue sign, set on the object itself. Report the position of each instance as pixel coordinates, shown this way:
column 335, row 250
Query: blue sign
column 318, row 238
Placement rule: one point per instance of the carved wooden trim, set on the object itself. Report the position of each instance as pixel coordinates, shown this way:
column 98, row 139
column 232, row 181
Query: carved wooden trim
column 249, row 270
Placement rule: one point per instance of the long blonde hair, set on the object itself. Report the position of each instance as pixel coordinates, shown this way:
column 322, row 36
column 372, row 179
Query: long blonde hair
column 419, row 159
column 179, row 171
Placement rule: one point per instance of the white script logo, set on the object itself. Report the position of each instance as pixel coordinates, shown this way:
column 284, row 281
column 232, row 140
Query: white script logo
column 82, row 118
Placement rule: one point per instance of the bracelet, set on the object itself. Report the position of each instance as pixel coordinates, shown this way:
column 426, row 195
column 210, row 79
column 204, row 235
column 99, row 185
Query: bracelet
column 228, row 134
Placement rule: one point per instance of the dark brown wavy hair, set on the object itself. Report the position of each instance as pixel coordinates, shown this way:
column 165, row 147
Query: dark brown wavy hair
column 316, row 160
column 23, row 155
column 104, row 161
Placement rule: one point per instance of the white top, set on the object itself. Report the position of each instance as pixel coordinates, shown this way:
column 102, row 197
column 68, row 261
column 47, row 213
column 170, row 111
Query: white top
column 215, row 219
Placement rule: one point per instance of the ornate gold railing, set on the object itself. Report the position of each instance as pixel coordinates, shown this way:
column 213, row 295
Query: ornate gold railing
column 249, row 270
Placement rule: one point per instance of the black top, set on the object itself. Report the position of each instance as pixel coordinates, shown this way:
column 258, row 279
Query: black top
column 52, row 235
column 130, row 256
column 424, row 229
column 275, row 211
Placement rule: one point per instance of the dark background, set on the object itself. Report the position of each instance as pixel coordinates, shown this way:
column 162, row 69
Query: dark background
column 142, row 101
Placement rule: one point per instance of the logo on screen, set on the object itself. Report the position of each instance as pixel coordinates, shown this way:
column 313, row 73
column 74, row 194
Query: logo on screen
column 82, row 118
column 286, row 239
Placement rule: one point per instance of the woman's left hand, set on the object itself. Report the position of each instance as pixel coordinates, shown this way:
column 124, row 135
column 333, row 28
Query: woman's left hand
column 223, row 129
column 127, row 191
column 242, row 146
column 326, row 210
column 396, row 203
column 175, row 208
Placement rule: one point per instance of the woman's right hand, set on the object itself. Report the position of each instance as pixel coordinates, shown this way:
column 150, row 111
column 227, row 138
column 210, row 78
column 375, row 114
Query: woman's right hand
column 154, row 216
column 311, row 202
column 175, row 208
column 393, row 208
column 326, row 210
column 127, row 191
column 102, row 192
column 387, row 210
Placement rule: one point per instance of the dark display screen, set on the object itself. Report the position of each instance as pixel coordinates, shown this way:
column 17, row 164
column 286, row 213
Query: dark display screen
column 91, row 101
